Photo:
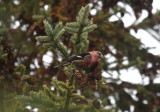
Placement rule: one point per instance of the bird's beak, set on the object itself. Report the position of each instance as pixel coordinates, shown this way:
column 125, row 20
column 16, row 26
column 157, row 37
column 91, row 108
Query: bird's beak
column 101, row 56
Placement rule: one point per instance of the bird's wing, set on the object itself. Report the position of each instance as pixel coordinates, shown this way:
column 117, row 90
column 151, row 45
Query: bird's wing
column 79, row 57
column 62, row 64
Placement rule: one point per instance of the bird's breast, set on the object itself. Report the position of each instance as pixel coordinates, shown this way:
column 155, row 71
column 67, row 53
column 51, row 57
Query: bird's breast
column 83, row 63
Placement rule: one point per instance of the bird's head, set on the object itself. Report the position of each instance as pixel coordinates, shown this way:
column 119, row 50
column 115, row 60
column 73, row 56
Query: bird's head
column 97, row 54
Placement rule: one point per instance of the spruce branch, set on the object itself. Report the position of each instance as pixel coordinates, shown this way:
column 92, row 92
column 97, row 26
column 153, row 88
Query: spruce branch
column 52, row 40
column 20, row 69
column 69, row 93
column 78, row 96
column 42, row 14
column 62, row 97
column 51, row 94
column 40, row 100
column 3, row 30
column 80, row 30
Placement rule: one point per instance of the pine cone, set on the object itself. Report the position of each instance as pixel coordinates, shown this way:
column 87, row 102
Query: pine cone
column 78, row 74
column 84, row 82
column 96, row 103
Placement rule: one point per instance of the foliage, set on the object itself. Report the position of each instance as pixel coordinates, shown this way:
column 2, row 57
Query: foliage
column 63, row 99
column 53, row 101
column 23, row 67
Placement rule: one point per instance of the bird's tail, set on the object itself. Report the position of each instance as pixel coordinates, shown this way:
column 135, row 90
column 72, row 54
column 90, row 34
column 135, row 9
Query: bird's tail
column 62, row 64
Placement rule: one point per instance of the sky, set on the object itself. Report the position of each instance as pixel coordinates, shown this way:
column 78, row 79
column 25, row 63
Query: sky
column 132, row 75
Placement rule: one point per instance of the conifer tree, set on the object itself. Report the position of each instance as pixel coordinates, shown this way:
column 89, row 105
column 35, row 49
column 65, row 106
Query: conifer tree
column 64, row 97
column 24, row 70
column 9, row 75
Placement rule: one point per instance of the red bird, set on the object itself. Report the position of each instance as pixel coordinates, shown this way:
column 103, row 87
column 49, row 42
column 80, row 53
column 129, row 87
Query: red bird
column 87, row 61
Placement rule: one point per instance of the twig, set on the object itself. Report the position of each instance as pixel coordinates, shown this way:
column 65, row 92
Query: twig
column 68, row 95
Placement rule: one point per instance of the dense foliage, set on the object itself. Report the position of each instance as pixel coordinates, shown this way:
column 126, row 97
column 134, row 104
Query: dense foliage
column 28, row 33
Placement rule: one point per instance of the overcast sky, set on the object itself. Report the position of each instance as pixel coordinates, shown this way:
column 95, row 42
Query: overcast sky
column 132, row 74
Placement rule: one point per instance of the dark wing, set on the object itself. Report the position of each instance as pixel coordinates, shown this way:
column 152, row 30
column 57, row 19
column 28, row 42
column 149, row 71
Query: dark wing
column 79, row 57
column 72, row 58
column 62, row 64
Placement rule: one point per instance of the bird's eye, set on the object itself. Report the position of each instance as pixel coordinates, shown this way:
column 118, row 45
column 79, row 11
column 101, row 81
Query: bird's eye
column 100, row 55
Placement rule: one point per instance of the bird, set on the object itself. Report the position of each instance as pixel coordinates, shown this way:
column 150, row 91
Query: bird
column 87, row 61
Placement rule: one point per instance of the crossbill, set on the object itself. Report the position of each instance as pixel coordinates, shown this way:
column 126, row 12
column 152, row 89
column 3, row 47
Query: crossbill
column 86, row 61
